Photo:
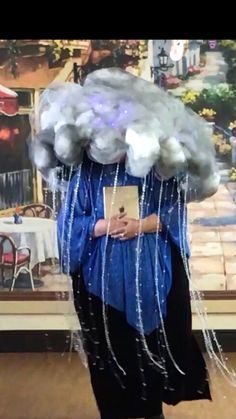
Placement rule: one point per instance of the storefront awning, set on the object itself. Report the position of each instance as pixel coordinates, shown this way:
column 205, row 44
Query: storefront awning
column 8, row 101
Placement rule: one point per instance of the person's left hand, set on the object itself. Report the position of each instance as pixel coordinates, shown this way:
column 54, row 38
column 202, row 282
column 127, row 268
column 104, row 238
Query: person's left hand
column 129, row 231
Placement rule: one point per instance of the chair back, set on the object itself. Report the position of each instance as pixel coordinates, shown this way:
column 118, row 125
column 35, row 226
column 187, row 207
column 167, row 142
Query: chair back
column 7, row 246
column 37, row 210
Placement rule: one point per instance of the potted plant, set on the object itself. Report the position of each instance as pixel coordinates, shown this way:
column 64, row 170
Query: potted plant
column 225, row 151
column 191, row 71
column 189, row 97
column 218, row 140
column 172, row 82
column 232, row 125
column 232, row 174
column 207, row 114
column 196, row 70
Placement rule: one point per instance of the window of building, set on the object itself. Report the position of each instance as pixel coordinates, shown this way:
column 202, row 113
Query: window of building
column 25, row 98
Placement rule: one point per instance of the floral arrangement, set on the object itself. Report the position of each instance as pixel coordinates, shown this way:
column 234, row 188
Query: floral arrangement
column 207, row 113
column 193, row 70
column 218, row 140
column 232, row 125
column 232, row 174
column 224, row 149
column 189, row 97
column 221, row 145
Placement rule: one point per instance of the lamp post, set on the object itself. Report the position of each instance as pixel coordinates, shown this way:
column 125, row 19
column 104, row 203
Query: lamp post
column 157, row 71
column 78, row 73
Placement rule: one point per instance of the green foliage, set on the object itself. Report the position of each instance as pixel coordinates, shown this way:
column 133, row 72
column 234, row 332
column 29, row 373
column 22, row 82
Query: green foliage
column 13, row 52
column 124, row 53
column 228, row 48
column 58, row 50
column 221, row 98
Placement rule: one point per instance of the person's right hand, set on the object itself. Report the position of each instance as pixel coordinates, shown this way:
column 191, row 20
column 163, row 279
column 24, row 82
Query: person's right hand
column 103, row 225
column 116, row 222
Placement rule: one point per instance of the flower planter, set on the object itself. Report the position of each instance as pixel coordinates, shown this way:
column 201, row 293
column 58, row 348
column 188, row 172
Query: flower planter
column 172, row 86
column 226, row 158
column 209, row 118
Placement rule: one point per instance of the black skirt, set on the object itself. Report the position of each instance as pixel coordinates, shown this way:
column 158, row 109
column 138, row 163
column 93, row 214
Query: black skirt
column 142, row 390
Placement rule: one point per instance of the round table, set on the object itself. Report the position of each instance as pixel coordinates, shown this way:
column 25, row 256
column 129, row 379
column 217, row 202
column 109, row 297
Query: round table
column 39, row 234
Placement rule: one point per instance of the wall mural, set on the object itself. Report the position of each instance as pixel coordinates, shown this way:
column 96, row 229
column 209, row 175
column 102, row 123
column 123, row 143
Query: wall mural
column 202, row 73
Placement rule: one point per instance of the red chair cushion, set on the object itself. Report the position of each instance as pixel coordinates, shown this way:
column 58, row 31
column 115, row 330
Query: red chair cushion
column 8, row 258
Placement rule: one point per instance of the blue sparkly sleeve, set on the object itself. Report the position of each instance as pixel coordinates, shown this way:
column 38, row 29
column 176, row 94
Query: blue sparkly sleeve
column 75, row 223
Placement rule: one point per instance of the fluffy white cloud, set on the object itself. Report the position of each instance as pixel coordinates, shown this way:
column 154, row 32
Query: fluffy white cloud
column 116, row 115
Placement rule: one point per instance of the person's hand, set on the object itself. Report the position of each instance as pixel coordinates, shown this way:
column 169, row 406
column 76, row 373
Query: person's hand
column 134, row 227
column 129, row 230
column 116, row 222
column 105, row 225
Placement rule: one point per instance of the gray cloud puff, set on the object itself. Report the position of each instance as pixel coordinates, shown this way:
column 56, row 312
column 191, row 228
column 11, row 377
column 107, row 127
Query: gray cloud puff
column 116, row 115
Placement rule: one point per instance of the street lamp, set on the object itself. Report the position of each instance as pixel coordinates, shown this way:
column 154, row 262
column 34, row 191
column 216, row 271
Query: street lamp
column 78, row 73
column 163, row 66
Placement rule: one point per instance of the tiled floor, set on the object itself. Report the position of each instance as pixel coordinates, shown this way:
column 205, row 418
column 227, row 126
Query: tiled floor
column 52, row 279
column 52, row 386
column 213, row 249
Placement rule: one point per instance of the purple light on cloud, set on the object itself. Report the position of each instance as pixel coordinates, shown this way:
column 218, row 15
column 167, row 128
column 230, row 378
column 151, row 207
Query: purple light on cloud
column 98, row 123
column 97, row 101
column 125, row 108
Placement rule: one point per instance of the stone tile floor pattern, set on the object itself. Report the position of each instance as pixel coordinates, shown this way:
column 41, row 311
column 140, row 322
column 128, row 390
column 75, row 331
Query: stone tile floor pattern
column 52, row 279
column 212, row 234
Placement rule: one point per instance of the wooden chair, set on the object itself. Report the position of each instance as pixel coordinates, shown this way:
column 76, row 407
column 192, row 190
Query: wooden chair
column 37, row 210
column 15, row 259
column 40, row 211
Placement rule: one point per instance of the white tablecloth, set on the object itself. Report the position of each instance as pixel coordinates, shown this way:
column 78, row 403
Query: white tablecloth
column 39, row 234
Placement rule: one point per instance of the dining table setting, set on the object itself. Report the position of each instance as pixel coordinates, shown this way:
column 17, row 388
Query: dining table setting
column 37, row 234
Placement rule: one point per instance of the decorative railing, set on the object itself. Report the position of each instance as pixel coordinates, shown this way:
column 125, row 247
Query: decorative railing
column 16, row 188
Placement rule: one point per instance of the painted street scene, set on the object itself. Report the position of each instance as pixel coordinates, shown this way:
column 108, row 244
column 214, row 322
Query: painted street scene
column 203, row 77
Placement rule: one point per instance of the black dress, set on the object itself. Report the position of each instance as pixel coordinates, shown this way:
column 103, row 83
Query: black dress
column 141, row 392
